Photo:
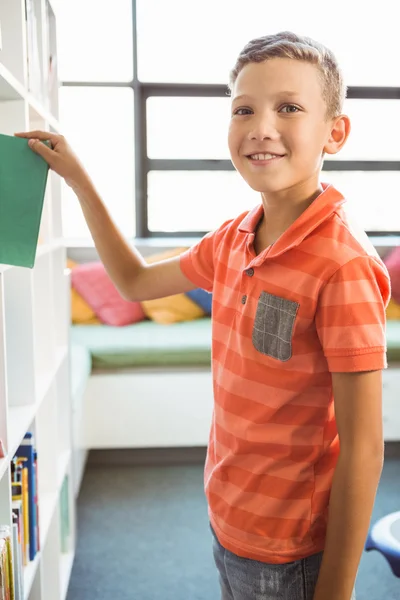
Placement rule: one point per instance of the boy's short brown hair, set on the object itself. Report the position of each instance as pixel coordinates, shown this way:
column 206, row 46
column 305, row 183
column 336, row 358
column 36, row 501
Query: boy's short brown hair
column 289, row 45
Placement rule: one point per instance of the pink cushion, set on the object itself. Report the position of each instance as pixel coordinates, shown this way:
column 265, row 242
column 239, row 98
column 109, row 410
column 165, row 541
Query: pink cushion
column 392, row 262
column 93, row 284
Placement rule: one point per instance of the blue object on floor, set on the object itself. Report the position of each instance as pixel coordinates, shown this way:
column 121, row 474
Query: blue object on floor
column 385, row 537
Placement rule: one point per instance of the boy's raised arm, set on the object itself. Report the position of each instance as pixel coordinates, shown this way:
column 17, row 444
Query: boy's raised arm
column 134, row 279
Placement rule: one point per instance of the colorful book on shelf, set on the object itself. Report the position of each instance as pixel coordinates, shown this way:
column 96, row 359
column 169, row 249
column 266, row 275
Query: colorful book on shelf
column 17, row 561
column 20, row 491
column 26, row 450
column 35, row 464
column 23, row 178
column 7, row 562
column 18, row 548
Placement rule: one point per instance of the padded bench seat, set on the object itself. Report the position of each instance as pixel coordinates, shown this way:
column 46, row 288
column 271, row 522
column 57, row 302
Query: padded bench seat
column 150, row 344
column 146, row 344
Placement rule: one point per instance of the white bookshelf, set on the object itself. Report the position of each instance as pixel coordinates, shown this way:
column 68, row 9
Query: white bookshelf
column 34, row 312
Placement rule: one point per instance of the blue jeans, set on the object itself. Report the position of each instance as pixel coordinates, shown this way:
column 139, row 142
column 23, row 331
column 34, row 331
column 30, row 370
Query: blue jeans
column 246, row 579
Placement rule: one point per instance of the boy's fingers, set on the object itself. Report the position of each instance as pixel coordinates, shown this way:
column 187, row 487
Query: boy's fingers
column 41, row 149
column 38, row 135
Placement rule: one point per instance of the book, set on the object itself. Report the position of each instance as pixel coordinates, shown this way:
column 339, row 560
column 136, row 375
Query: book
column 23, row 179
column 18, row 546
column 26, row 450
column 17, row 561
column 5, row 535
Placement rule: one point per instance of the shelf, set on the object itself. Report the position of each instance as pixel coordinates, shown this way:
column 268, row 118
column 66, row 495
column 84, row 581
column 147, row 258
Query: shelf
column 4, row 462
column 66, row 562
column 34, row 307
column 44, row 381
column 20, row 418
column 49, row 247
column 12, row 89
column 29, row 575
column 63, row 464
column 47, row 507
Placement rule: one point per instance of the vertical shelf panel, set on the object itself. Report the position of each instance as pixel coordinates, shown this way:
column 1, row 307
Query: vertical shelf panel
column 60, row 276
column 13, row 116
column 36, row 589
column 36, row 122
column 67, row 532
column 51, row 560
column 47, row 444
column 5, row 498
column 47, row 471
column 13, row 53
column 19, row 336
column 55, row 188
column 50, row 68
column 63, row 413
column 43, row 311
column 3, row 376
column 34, row 35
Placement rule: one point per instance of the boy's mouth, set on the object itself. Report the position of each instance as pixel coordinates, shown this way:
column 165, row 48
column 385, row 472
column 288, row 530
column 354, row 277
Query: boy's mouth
column 264, row 158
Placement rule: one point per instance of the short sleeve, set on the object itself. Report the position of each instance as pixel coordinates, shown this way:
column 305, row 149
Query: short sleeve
column 351, row 318
column 198, row 262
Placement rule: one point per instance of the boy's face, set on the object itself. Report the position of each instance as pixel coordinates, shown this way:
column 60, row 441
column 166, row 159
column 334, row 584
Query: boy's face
column 278, row 109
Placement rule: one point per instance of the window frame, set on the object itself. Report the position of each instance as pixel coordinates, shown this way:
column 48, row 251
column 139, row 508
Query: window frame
column 143, row 164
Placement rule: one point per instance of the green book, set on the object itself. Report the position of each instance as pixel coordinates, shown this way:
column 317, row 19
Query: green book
column 23, row 178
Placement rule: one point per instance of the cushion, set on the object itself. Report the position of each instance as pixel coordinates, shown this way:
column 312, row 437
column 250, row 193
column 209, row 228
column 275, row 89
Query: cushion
column 171, row 309
column 81, row 312
column 146, row 344
column 202, row 298
column 92, row 282
column 392, row 262
column 393, row 310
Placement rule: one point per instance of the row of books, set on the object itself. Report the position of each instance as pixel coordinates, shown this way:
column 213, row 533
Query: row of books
column 25, row 508
column 20, row 543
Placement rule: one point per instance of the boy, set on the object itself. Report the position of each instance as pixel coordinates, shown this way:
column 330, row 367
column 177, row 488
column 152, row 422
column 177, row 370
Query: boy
column 298, row 334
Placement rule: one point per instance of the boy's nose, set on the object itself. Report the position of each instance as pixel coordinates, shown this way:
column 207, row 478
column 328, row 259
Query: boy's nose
column 263, row 129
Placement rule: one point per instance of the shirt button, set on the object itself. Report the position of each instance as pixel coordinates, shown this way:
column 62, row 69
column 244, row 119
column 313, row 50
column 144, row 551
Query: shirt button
column 244, row 298
column 250, row 272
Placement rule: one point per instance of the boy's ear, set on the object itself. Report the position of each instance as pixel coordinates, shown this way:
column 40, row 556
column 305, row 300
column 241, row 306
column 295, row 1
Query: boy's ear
column 340, row 130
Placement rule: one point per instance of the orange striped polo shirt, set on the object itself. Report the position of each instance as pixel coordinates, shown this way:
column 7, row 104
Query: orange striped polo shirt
column 311, row 304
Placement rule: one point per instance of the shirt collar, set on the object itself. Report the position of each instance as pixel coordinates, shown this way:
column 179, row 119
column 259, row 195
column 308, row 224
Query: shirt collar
column 328, row 202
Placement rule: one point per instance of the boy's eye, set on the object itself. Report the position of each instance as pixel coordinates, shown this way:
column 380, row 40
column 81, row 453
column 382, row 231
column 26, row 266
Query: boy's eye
column 289, row 109
column 242, row 111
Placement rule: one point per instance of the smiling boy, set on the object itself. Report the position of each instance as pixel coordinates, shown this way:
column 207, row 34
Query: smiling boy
column 296, row 446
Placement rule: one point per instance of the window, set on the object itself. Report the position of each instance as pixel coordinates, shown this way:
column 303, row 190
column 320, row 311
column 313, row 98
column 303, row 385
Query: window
column 164, row 167
column 197, row 42
column 95, row 40
column 98, row 123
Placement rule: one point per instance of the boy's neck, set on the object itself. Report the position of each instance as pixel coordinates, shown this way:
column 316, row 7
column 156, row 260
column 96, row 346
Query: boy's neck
column 279, row 214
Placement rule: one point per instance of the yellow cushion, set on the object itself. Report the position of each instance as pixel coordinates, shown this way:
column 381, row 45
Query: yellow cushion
column 393, row 310
column 170, row 309
column 81, row 312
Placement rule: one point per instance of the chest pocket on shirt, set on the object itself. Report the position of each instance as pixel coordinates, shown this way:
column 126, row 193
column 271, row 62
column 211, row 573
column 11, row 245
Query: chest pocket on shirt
column 273, row 326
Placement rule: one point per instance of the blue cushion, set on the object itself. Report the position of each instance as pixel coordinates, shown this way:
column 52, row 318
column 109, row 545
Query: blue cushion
column 202, row 299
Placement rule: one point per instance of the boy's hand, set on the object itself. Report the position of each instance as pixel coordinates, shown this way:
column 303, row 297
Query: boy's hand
column 60, row 156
